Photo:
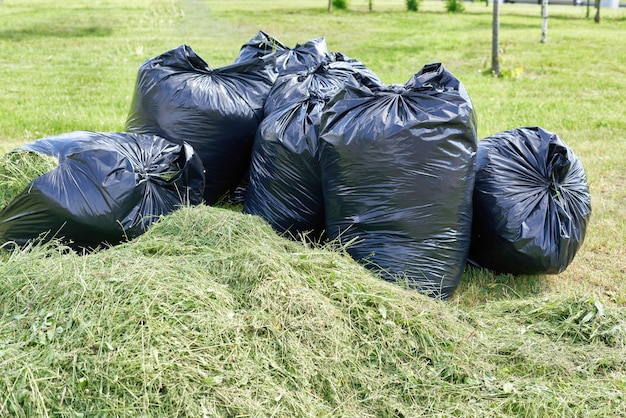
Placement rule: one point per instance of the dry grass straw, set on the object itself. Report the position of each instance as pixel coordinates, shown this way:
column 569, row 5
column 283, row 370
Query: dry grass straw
column 18, row 169
column 212, row 314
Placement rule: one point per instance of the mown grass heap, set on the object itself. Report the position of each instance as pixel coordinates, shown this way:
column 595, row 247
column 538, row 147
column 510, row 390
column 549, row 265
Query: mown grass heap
column 18, row 169
column 210, row 313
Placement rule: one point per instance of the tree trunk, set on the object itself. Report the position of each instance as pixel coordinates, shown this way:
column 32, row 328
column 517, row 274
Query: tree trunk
column 495, row 49
column 544, row 21
column 370, row 5
column 330, row 6
column 597, row 16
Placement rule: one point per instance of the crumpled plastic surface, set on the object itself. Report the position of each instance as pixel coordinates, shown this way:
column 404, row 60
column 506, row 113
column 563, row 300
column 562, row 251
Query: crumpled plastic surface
column 285, row 185
column 365, row 75
column 397, row 167
column 106, row 188
column 302, row 57
column 217, row 111
column 531, row 203
column 259, row 45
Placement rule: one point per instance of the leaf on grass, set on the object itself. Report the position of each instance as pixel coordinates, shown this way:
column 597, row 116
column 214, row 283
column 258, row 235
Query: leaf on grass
column 383, row 311
column 213, row 380
column 599, row 307
column 588, row 317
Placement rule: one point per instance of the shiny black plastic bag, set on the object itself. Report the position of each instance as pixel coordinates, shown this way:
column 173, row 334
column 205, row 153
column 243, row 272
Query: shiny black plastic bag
column 285, row 185
column 365, row 75
column 292, row 138
column 531, row 203
column 260, row 45
column 106, row 188
column 397, row 169
column 321, row 81
column 303, row 57
column 216, row 111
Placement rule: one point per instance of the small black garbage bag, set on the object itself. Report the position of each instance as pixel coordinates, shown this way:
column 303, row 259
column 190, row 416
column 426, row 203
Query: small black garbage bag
column 365, row 75
column 397, row 169
column 288, row 137
column 217, row 111
column 302, row 57
column 260, row 45
column 531, row 203
column 285, row 186
column 106, row 188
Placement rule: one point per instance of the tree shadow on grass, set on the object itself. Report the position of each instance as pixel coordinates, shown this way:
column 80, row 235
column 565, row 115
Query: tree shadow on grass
column 55, row 30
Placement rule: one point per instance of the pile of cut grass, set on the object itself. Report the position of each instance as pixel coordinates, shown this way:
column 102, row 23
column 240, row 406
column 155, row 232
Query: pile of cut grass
column 210, row 313
column 17, row 171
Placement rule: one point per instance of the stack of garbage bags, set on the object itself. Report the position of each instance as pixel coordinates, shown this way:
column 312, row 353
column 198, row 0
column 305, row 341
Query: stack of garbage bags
column 316, row 144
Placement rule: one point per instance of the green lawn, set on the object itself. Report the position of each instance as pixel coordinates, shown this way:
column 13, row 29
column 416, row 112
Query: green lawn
column 301, row 331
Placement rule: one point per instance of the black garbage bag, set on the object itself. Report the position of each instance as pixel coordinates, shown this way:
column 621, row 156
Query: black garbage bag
column 106, row 188
column 323, row 80
column 397, row 169
column 217, row 111
column 303, row 57
column 260, row 45
column 366, row 76
column 531, row 203
column 285, row 186
column 289, row 139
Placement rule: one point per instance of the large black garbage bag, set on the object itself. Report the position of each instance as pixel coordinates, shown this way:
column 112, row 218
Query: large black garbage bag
column 531, row 203
column 106, row 188
column 285, row 185
column 216, row 111
column 397, row 170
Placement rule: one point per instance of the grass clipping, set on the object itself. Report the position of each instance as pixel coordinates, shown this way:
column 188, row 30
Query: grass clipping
column 18, row 169
column 210, row 313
